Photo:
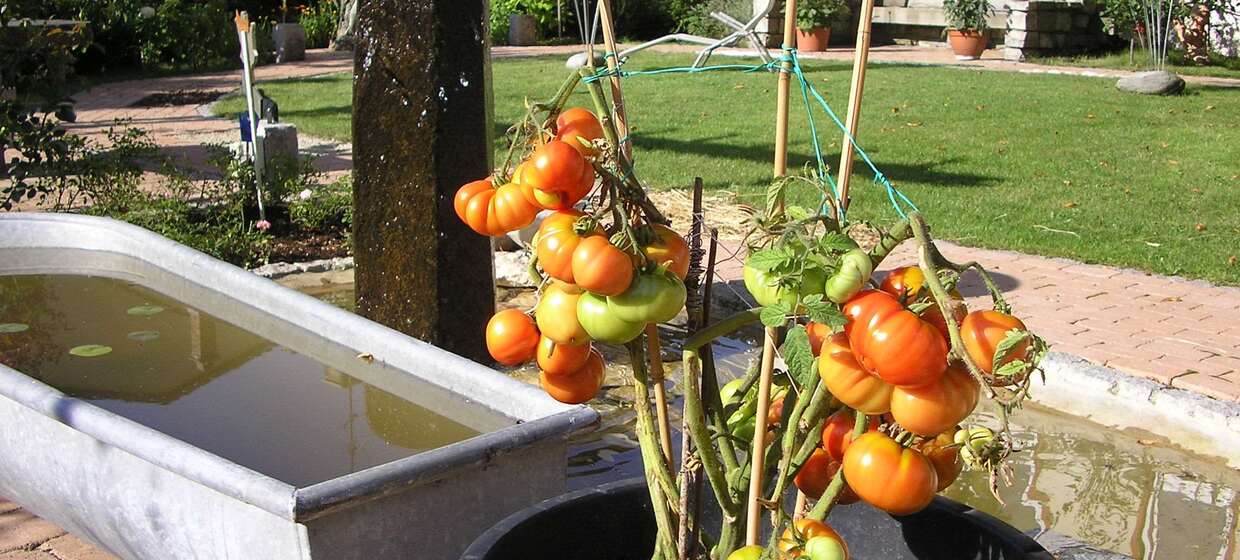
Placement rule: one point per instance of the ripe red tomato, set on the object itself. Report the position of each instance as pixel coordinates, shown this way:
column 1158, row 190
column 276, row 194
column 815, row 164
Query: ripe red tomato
column 982, row 332
column 600, row 267
column 905, row 282
column 556, row 314
column 892, row 342
column 556, row 242
column 837, row 433
column 579, row 128
column 802, row 530
column 889, row 477
column 944, row 455
column 561, row 359
column 559, row 175
column 817, row 333
column 848, row 381
column 816, row 474
column 511, row 337
column 489, row 210
column 931, row 409
column 576, row 387
column 670, row 249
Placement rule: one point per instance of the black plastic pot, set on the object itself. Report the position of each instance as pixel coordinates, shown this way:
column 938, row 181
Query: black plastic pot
column 614, row 522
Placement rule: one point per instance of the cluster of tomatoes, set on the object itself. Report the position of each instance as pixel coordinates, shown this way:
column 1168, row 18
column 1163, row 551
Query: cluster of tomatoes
column 806, row 538
column 596, row 291
column 892, row 364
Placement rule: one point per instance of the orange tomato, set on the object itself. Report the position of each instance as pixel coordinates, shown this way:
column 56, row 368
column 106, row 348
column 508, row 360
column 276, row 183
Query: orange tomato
column 579, row 128
column 561, row 359
column 493, row 211
column 888, row 476
column 892, row 342
column 559, row 175
column 817, row 332
column 848, row 381
column 816, row 474
column 511, row 337
column 577, row 387
column 600, row 267
column 837, row 432
column 930, row 409
column 905, row 282
column 982, row 332
column 803, row 530
column 556, row 242
column 670, row 249
column 944, row 455
column 556, row 314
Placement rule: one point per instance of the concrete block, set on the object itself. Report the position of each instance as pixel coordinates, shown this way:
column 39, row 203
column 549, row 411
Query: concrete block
column 1018, row 5
column 290, row 40
column 1019, row 21
column 1016, row 39
column 279, row 142
column 1014, row 54
column 1061, row 21
column 925, row 3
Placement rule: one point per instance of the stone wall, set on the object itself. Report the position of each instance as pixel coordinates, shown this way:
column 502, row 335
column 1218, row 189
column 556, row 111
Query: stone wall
column 1041, row 27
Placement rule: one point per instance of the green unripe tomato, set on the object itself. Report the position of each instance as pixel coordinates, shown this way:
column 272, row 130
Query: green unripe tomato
column 751, row 552
column 601, row 324
column 855, row 269
column 652, row 297
column 766, row 291
column 825, row 548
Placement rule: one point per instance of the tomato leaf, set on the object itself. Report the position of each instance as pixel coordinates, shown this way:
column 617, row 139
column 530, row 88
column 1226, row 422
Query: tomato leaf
column 1013, row 341
column 774, row 315
column 775, row 197
column 797, row 212
column 836, row 242
column 768, row 259
column 1013, row 368
column 798, row 355
column 824, row 312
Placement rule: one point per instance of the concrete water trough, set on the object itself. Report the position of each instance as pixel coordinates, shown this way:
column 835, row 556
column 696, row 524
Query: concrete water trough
column 265, row 424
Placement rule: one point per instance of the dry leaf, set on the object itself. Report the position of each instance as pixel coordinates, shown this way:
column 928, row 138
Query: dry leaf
column 1200, row 227
column 1103, row 163
column 1165, row 145
column 912, row 124
column 1172, row 299
column 1069, row 205
column 981, row 107
column 1152, row 244
column 1146, row 441
column 895, row 110
column 1067, row 183
column 366, row 357
column 1089, row 116
column 1173, row 162
column 1231, row 261
column 1209, row 107
column 1197, row 191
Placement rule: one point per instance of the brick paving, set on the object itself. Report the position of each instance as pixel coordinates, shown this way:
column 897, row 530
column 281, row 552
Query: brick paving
column 1174, row 331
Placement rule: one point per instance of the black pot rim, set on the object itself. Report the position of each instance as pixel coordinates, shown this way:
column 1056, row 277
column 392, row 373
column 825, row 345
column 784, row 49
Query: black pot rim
column 984, row 521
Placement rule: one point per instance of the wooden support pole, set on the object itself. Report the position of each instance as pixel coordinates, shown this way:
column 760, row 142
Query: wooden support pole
column 613, row 64
column 655, row 349
column 860, row 58
column 757, row 457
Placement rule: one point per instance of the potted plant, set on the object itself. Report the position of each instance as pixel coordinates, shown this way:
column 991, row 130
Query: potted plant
column 966, row 32
column 814, row 19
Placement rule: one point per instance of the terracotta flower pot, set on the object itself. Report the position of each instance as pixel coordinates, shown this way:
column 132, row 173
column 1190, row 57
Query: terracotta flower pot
column 814, row 40
column 967, row 44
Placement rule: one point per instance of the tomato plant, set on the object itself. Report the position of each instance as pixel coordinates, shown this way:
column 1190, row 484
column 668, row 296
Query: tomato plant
column 905, row 283
column 654, row 296
column 982, row 332
column 557, row 239
column 559, row 175
column 848, row 381
column 837, row 433
column 600, row 267
column 935, row 407
column 817, row 333
column 491, row 210
column 826, row 548
column 511, row 337
column 793, row 540
column 668, row 249
column 888, row 476
column 579, row 128
column 944, row 454
column 816, row 474
column 602, row 324
column 767, row 289
column 751, row 552
column 556, row 314
column 855, row 268
column 576, row 387
column 892, row 342
column 561, row 359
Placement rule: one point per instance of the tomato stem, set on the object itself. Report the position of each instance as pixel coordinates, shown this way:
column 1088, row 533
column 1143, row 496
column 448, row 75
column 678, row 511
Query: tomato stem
column 658, row 479
column 831, row 495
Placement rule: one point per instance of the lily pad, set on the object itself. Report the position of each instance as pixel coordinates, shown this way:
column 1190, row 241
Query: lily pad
column 90, row 350
column 10, row 328
column 143, row 336
column 145, row 310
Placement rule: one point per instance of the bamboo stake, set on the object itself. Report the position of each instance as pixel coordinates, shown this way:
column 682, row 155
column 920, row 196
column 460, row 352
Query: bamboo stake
column 617, row 97
column 690, row 476
column 654, row 348
column 753, row 525
column 860, row 59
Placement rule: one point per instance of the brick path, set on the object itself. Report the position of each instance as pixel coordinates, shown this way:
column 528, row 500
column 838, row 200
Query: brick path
column 1184, row 333
column 1174, row 331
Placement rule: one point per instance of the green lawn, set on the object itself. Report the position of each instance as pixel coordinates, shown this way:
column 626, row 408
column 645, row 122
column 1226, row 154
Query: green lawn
column 1219, row 66
column 1054, row 165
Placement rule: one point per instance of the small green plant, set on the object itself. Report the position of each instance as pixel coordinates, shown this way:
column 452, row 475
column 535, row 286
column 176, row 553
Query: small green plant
column 812, row 14
column 542, row 10
column 324, row 209
column 967, row 15
column 319, row 20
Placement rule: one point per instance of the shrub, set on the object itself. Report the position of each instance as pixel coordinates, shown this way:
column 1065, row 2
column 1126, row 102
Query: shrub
column 324, row 209
column 967, row 15
column 821, row 13
column 697, row 20
column 319, row 19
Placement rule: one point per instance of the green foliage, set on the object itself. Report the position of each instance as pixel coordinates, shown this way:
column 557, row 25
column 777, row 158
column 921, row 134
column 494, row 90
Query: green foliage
column 821, row 13
column 967, row 15
column 798, row 355
column 319, row 19
column 542, row 10
column 1120, row 17
column 695, row 18
column 324, row 209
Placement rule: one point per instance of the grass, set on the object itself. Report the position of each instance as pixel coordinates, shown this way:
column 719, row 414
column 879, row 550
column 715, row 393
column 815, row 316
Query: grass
column 1054, row 165
column 1220, row 66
